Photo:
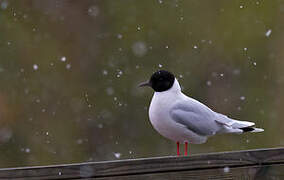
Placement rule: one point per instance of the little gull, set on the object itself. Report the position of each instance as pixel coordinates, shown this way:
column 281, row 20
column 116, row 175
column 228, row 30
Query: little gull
column 186, row 120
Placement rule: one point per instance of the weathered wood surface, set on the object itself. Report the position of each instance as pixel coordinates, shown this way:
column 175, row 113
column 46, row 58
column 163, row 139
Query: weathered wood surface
column 252, row 164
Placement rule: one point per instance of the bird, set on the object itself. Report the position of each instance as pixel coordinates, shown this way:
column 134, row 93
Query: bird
column 183, row 119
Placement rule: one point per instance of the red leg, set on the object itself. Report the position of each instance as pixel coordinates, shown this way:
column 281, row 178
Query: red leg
column 185, row 149
column 178, row 149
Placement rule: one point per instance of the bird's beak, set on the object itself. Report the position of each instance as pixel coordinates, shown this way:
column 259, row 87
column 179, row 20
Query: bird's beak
column 143, row 84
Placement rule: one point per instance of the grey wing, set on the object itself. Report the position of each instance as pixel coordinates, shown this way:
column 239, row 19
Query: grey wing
column 196, row 117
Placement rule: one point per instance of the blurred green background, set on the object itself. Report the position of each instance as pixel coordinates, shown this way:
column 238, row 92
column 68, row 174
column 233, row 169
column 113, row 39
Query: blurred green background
column 69, row 72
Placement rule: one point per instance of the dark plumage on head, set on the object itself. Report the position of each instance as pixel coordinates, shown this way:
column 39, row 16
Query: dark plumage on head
column 160, row 81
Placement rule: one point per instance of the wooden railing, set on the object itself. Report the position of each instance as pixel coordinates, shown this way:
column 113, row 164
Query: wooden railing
column 251, row 164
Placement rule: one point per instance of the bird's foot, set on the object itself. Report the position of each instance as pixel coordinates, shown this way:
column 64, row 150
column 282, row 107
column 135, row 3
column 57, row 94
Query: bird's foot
column 185, row 148
column 178, row 149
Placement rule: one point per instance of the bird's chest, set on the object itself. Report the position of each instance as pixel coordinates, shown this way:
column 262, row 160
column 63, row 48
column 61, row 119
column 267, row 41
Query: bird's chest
column 159, row 113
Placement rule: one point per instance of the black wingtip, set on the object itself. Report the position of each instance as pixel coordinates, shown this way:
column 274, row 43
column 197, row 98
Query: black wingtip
column 247, row 129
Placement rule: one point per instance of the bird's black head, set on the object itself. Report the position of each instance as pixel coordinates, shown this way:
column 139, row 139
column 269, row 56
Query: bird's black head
column 160, row 81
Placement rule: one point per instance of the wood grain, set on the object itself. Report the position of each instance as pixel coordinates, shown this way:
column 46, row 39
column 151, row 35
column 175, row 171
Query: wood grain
column 238, row 165
column 265, row 172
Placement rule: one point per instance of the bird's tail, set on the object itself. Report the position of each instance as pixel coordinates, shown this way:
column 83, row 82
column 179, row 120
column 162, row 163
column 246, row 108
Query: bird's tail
column 236, row 126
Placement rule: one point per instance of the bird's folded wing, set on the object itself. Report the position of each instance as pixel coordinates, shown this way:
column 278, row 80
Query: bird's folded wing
column 198, row 121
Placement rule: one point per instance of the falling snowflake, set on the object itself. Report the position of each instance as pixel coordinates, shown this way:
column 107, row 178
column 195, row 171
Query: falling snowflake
column 35, row 67
column 117, row 155
column 267, row 34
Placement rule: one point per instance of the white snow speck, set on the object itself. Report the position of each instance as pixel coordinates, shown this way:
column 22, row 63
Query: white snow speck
column 105, row 72
column 27, row 91
column 245, row 49
column 59, row 173
column 68, row 66
column 242, row 98
column 209, row 83
column 119, row 73
column 100, row 126
column 35, row 67
column 119, row 36
column 93, row 11
column 167, row 47
column 5, row 135
column 117, row 155
column 221, row 74
column 79, row 141
column 27, row 150
column 160, row 1
column 139, row 49
column 254, row 63
column 63, row 58
column 160, row 65
column 195, row 47
column 226, row 169
column 241, row 6
column 138, row 28
column 267, row 34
